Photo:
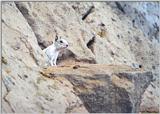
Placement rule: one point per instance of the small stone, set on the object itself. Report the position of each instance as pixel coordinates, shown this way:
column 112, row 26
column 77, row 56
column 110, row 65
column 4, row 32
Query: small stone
column 76, row 66
column 4, row 60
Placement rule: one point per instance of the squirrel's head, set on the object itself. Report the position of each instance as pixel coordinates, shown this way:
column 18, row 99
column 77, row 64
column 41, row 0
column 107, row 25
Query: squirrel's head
column 60, row 43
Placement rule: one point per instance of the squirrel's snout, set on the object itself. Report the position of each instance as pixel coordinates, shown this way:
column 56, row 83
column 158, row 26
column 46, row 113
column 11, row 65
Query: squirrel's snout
column 67, row 45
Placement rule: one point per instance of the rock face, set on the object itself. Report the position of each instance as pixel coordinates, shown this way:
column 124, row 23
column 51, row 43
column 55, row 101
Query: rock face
column 99, row 33
column 24, row 89
column 104, row 88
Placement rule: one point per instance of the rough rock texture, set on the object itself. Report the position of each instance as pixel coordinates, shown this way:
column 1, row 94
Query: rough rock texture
column 150, row 99
column 93, row 39
column 119, row 33
column 105, row 88
column 24, row 89
column 145, row 16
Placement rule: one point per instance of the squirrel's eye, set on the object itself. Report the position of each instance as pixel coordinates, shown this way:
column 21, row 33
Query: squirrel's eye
column 61, row 41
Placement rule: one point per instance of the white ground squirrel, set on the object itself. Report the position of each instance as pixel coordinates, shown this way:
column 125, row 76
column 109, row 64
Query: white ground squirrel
column 53, row 50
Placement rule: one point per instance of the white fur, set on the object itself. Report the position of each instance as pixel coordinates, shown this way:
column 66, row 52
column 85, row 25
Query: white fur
column 53, row 50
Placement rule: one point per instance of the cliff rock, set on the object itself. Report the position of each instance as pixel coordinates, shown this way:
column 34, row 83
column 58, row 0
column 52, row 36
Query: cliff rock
column 111, row 65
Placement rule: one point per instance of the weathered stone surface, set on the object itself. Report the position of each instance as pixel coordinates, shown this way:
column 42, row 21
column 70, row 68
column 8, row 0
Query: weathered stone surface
column 105, row 89
column 115, row 42
column 45, row 19
column 150, row 99
column 24, row 89
column 117, row 33
column 144, row 15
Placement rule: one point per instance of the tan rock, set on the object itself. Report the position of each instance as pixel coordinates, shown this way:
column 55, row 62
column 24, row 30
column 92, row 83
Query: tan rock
column 105, row 88
column 107, row 35
column 24, row 89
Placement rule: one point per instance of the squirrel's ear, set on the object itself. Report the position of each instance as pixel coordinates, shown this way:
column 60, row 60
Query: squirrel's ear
column 56, row 38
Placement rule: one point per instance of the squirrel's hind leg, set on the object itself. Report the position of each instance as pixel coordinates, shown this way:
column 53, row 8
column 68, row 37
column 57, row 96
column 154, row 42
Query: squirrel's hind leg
column 51, row 62
column 55, row 62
